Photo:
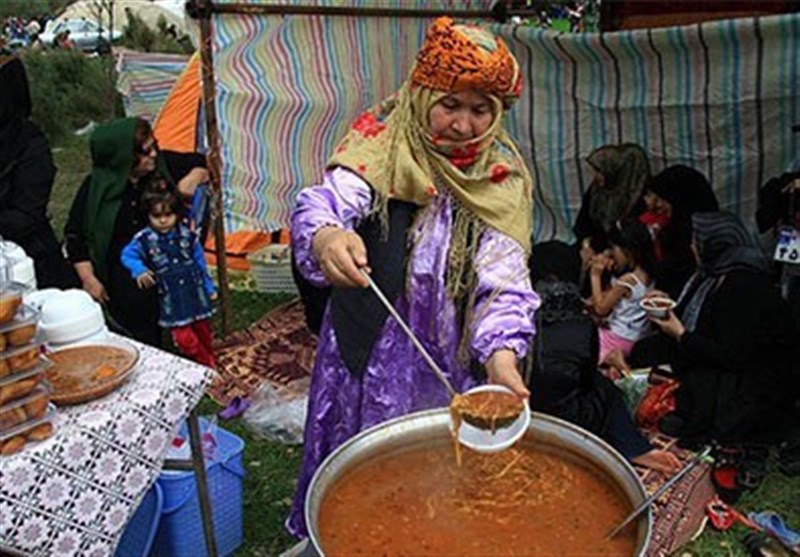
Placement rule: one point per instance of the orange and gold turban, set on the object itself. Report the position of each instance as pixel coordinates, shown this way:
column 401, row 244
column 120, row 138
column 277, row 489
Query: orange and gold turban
column 460, row 57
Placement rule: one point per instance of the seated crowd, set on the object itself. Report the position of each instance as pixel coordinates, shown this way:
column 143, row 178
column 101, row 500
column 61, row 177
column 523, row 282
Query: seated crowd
column 729, row 345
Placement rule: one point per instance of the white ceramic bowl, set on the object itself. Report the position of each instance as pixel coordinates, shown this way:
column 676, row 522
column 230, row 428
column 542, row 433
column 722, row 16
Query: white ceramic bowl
column 24, row 272
column 99, row 337
column 70, row 316
column 486, row 441
column 37, row 298
column 657, row 307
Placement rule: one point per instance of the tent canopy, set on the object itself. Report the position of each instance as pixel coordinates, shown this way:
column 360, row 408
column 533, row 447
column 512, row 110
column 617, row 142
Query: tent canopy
column 149, row 12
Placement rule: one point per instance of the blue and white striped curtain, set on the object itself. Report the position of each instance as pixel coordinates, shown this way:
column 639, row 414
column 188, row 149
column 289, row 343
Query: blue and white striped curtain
column 719, row 96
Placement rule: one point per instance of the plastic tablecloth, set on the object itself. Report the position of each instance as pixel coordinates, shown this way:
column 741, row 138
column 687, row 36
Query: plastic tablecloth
column 74, row 493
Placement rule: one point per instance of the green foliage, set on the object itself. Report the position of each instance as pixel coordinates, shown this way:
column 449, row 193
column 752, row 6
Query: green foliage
column 68, row 90
column 139, row 36
column 31, row 8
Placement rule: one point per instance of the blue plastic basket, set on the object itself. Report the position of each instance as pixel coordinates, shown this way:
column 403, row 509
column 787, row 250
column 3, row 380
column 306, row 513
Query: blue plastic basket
column 138, row 537
column 180, row 533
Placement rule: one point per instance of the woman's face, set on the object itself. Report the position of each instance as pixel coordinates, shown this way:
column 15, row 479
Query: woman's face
column 598, row 181
column 460, row 116
column 145, row 158
column 657, row 204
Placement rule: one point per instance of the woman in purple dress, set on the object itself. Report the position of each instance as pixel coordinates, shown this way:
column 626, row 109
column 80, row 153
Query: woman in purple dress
column 429, row 195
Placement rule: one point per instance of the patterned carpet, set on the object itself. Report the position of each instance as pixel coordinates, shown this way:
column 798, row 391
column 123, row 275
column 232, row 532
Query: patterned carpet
column 276, row 348
column 280, row 349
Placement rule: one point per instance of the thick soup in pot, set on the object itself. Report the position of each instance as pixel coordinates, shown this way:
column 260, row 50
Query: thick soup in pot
column 523, row 501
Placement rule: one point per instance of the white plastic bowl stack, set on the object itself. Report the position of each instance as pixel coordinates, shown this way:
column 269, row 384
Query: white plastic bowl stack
column 21, row 266
column 71, row 317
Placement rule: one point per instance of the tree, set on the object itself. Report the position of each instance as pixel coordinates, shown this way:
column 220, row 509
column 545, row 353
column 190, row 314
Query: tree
column 27, row 9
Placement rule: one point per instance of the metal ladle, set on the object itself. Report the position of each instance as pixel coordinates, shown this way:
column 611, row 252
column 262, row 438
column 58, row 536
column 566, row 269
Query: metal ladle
column 489, row 442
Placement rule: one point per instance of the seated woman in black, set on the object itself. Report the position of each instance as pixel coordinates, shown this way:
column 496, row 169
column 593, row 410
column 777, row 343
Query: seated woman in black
column 105, row 216
column 564, row 380
column 734, row 346
column 677, row 192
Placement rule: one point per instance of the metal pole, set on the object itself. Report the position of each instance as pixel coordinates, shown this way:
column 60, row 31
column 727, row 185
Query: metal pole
column 295, row 9
column 212, row 137
column 198, row 460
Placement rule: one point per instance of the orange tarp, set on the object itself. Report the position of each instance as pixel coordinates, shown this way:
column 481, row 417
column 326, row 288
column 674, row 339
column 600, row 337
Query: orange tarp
column 175, row 128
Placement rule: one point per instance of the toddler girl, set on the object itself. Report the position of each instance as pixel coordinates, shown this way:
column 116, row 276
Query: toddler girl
column 631, row 259
column 168, row 255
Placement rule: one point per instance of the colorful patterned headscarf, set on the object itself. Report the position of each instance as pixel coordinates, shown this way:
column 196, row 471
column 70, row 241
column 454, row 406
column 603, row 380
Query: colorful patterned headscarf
column 390, row 146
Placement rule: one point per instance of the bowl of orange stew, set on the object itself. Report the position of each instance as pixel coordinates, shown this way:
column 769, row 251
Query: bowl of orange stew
column 399, row 489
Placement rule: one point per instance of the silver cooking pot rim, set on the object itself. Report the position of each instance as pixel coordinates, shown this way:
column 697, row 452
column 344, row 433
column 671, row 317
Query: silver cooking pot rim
column 421, row 427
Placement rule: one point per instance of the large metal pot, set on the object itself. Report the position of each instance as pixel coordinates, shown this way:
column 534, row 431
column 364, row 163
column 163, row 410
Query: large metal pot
column 423, row 427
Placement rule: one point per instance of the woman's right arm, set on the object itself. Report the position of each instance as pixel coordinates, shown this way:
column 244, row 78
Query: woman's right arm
column 326, row 249
column 77, row 249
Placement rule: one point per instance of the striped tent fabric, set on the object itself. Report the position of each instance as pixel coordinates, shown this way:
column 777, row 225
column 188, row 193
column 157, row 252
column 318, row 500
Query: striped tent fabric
column 145, row 79
column 720, row 96
column 287, row 88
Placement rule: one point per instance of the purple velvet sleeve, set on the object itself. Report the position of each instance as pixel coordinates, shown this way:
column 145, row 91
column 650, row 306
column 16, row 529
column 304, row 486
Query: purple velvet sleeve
column 341, row 200
column 505, row 301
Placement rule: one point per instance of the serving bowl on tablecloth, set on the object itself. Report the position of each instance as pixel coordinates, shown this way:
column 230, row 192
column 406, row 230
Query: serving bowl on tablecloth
column 88, row 371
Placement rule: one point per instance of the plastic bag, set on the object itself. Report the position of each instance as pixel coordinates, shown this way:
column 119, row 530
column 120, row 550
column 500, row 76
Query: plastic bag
column 180, row 448
column 275, row 417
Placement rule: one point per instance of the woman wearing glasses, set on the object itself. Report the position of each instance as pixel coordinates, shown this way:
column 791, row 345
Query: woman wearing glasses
column 105, row 216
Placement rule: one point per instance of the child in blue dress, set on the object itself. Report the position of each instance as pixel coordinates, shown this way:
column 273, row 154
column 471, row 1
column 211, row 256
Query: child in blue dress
column 168, row 255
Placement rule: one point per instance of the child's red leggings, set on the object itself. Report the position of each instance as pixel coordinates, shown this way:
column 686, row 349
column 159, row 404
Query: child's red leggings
column 194, row 341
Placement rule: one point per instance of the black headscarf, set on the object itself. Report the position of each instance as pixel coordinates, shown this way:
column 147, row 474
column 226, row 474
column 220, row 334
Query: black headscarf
column 15, row 109
column 686, row 189
column 724, row 245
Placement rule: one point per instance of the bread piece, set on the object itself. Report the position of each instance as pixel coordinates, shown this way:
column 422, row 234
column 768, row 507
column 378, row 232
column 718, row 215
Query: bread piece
column 40, row 432
column 17, row 389
column 13, row 445
column 3, row 342
column 8, row 306
column 37, row 407
column 22, row 335
column 24, row 360
column 11, row 417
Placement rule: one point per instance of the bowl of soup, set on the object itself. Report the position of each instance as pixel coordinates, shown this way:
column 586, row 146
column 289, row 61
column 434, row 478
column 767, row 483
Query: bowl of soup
column 400, row 488
column 657, row 307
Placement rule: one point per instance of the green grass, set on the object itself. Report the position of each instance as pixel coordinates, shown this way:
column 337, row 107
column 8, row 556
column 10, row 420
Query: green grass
column 778, row 493
column 272, row 467
column 73, row 162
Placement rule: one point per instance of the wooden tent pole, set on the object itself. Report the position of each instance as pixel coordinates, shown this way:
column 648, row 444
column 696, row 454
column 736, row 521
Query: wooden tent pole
column 201, row 10
column 298, row 9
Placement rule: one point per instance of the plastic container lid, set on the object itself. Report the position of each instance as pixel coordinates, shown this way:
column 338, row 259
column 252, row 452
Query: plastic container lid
column 48, row 417
column 41, row 367
column 8, row 419
column 24, row 272
column 26, row 315
column 9, row 288
column 36, row 343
